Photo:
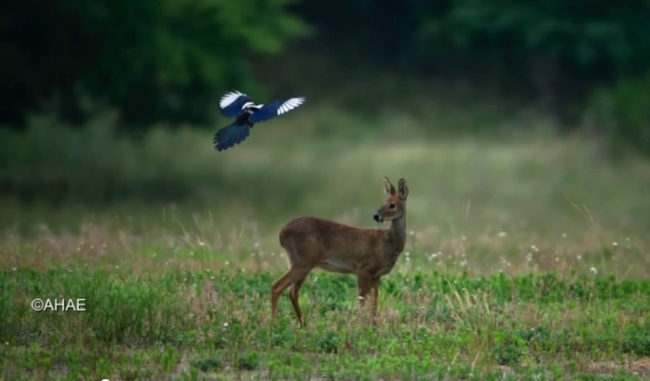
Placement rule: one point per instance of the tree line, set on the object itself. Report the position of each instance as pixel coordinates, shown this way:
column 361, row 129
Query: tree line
column 167, row 60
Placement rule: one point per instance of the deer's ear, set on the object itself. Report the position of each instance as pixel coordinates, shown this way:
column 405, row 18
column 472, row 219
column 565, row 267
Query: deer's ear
column 388, row 187
column 403, row 190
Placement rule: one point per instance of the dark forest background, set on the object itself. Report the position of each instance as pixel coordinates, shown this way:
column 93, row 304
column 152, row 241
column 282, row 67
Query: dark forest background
column 581, row 66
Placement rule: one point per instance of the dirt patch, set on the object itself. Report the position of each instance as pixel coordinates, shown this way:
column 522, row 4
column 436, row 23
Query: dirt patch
column 639, row 367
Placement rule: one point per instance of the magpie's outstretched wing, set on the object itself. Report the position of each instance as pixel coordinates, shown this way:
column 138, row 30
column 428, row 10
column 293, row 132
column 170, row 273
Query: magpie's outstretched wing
column 230, row 135
column 231, row 103
column 275, row 108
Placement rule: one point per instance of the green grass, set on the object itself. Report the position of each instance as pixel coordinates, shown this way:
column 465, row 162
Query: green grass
column 180, row 324
column 527, row 255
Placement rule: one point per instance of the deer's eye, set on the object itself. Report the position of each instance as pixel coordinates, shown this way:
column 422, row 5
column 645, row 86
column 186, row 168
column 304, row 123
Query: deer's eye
column 391, row 206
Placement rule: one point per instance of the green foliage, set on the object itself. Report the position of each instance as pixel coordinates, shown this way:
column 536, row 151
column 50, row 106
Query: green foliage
column 560, row 49
column 249, row 361
column 557, row 51
column 622, row 113
column 637, row 339
column 587, row 38
column 329, row 341
column 139, row 308
column 64, row 344
column 556, row 29
column 96, row 164
column 207, row 364
column 153, row 60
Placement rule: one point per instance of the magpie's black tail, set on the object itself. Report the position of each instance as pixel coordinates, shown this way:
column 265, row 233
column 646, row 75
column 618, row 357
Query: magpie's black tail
column 230, row 135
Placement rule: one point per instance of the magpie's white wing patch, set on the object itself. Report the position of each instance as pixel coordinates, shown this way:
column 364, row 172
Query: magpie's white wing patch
column 275, row 108
column 232, row 102
column 290, row 105
column 228, row 98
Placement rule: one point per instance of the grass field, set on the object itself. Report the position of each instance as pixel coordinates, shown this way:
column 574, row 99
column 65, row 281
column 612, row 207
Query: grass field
column 527, row 259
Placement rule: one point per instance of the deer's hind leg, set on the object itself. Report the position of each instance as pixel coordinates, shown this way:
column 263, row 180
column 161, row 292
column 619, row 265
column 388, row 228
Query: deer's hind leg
column 294, row 294
column 292, row 276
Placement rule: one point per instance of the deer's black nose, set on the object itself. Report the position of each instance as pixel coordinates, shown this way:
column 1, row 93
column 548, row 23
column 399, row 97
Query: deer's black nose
column 378, row 217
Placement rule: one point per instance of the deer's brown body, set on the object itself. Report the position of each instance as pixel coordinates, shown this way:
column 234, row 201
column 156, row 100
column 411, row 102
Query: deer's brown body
column 312, row 242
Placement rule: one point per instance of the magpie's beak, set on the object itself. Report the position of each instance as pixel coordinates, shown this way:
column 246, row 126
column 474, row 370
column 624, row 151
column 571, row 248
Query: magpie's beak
column 378, row 217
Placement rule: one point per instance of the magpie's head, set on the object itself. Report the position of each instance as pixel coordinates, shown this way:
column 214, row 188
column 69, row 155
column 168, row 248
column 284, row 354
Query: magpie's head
column 395, row 204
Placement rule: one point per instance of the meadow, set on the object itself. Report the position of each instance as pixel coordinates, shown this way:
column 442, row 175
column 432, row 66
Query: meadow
column 527, row 256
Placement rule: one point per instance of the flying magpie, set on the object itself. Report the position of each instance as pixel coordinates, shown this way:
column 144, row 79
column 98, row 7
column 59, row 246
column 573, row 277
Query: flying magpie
column 240, row 106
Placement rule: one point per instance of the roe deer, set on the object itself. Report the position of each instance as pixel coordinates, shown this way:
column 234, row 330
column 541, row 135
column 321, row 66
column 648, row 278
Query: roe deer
column 312, row 242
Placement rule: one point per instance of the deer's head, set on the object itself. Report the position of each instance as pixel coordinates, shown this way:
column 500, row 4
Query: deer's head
column 395, row 204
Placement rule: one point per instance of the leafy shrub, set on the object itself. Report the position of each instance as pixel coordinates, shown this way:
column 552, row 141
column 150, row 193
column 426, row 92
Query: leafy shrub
column 58, row 162
column 152, row 60
column 207, row 364
column 622, row 112
column 249, row 361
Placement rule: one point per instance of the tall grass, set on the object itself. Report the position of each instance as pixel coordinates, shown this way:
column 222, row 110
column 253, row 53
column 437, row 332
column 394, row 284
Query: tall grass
column 544, row 186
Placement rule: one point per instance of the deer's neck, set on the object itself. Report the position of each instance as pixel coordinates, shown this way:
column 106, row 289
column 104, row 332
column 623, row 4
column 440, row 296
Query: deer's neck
column 397, row 234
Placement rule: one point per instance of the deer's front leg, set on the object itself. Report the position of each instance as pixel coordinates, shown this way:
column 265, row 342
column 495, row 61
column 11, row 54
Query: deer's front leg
column 363, row 284
column 374, row 298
